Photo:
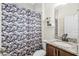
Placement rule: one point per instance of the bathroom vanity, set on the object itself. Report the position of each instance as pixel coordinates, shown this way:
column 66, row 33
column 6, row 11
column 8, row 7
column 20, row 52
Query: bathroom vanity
column 60, row 48
column 52, row 50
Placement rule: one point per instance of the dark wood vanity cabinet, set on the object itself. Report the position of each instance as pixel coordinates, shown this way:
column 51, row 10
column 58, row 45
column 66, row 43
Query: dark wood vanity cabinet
column 50, row 50
column 54, row 51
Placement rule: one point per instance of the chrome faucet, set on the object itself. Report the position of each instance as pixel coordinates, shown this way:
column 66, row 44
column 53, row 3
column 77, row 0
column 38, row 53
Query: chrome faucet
column 64, row 37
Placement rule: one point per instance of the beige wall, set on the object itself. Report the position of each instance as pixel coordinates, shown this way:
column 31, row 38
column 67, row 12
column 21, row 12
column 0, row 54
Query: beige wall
column 48, row 11
column 63, row 11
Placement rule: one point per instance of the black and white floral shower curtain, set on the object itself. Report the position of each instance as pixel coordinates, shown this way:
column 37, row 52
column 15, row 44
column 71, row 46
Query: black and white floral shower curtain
column 21, row 30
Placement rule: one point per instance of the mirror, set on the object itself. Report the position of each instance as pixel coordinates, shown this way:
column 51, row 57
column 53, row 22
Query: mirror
column 67, row 20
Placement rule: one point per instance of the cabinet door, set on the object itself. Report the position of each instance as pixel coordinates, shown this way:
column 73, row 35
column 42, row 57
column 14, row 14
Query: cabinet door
column 50, row 50
column 64, row 53
column 56, row 52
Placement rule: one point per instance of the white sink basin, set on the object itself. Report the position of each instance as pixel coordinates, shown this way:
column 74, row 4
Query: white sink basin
column 63, row 44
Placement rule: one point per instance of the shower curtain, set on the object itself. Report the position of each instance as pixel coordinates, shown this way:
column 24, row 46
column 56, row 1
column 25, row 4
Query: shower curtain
column 21, row 30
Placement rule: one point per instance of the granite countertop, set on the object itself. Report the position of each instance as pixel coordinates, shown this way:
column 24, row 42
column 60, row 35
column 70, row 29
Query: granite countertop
column 67, row 46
